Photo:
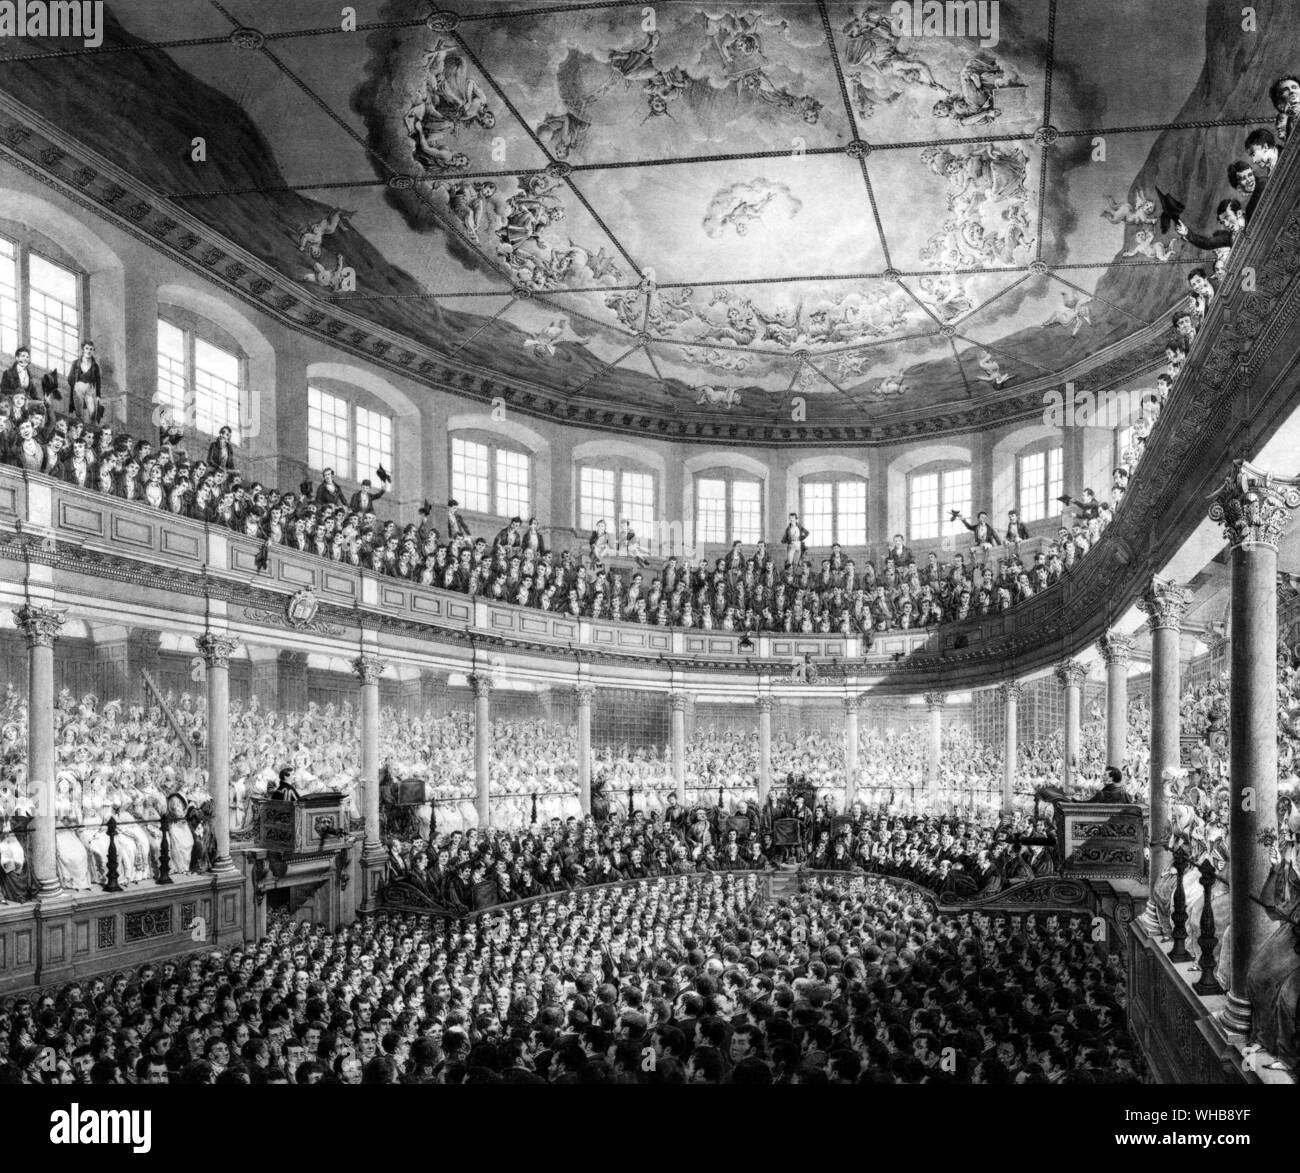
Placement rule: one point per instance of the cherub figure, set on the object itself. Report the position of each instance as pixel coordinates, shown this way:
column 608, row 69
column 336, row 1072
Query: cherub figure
column 1146, row 245
column 1141, row 211
column 336, row 280
column 543, row 342
column 311, row 238
column 1073, row 312
column 992, row 371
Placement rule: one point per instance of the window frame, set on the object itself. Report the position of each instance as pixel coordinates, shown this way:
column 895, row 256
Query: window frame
column 493, row 443
column 349, row 468
column 836, row 481
column 24, row 249
column 946, row 528
column 730, row 477
column 1045, row 449
column 195, row 329
column 620, row 510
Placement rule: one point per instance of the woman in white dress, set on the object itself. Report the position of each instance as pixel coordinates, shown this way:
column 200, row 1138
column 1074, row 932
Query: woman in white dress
column 180, row 839
column 13, row 860
column 71, row 859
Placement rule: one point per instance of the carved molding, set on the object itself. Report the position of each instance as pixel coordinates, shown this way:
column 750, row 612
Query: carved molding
column 1010, row 690
column 1254, row 507
column 1070, row 673
column 482, row 683
column 216, row 648
column 41, row 625
column 368, row 669
column 584, row 694
column 1165, row 604
column 1116, row 649
column 935, row 700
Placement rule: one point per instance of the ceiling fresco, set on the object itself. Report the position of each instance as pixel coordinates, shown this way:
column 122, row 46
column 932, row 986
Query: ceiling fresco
column 690, row 208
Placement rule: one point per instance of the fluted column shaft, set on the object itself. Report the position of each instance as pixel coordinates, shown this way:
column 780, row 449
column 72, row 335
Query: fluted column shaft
column 934, row 702
column 764, row 748
column 216, row 648
column 1010, row 693
column 1117, row 651
column 678, row 702
column 41, row 626
column 1071, row 677
column 850, row 751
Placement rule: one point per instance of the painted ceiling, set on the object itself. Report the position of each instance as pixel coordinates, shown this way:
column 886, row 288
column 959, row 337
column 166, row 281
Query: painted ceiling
column 692, row 209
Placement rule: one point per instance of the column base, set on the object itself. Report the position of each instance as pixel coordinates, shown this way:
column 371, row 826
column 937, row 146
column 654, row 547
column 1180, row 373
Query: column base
column 1236, row 1016
column 50, row 893
column 222, row 866
column 373, row 853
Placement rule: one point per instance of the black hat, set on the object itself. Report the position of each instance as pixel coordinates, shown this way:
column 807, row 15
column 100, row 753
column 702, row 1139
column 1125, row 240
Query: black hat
column 1171, row 209
column 382, row 473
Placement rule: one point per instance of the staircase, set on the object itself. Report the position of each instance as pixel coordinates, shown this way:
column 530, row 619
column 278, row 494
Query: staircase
column 151, row 685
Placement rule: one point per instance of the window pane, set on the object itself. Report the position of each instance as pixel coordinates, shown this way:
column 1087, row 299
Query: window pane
column 596, row 498
column 171, row 370
column 746, row 511
column 216, row 389
column 374, row 443
column 1055, row 480
column 470, row 481
column 818, row 512
column 851, row 513
column 53, row 329
column 327, row 433
column 8, row 298
column 956, row 495
column 638, row 493
column 512, row 484
column 924, row 503
column 1033, row 486
column 711, row 511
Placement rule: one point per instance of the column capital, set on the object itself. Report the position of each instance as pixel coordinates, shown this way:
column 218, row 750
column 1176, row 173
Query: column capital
column 1165, row 604
column 216, row 648
column 1253, row 506
column 935, row 700
column 677, row 701
column 851, row 703
column 368, row 669
column 41, row 625
column 764, row 701
column 1070, row 673
column 1116, row 649
column 482, row 683
column 1010, row 690
column 584, row 693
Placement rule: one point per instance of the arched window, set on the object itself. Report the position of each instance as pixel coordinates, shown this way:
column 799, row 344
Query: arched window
column 42, row 300
column 351, row 438
column 490, row 475
column 934, row 493
column 612, row 493
column 1040, row 479
column 834, row 509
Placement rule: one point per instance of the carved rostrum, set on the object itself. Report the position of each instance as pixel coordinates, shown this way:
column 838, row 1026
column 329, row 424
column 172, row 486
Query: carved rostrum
column 482, row 684
column 368, row 669
column 1009, row 690
column 216, row 648
column 41, row 625
column 584, row 694
column 764, row 703
column 1116, row 649
column 935, row 700
column 1165, row 604
column 1070, row 673
column 1254, row 506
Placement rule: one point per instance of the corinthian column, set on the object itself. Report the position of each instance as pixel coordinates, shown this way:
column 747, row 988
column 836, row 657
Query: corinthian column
column 1117, row 651
column 368, row 670
column 584, row 693
column 934, row 702
column 41, row 626
column 1071, row 674
column 1009, row 693
column 677, row 700
column 482, row 686
column 1254, row 509
column 764, row 703
column 850, row 751
column 1165, row 605
column 216, row 648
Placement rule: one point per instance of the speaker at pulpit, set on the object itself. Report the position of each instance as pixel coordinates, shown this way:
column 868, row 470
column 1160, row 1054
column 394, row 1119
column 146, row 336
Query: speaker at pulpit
column 1099, row 840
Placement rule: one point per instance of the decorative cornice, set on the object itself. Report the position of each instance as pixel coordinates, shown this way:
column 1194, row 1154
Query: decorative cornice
column 1254, row 507
column 41, row 625
column 1070, row 673
column 1165, row 604
column 1116, row 649
column 368, row 669
column 216, row 648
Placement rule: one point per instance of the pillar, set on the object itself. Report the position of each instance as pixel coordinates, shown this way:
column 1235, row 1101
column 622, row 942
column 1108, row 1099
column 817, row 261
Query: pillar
column 1254, row 508
column 934, row 702
column 583, row 694
column 41, row 626
column 677, row 700
column 1071, row 675
column 1165, row 605
column 850, row 751
column 1117, row 651
column 481, row 683
column 764, row 703
column 368, row 670
column 1009, row 693
column 216, row 648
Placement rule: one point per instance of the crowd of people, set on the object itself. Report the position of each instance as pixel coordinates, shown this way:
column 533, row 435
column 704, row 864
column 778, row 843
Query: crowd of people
column 683, row 979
